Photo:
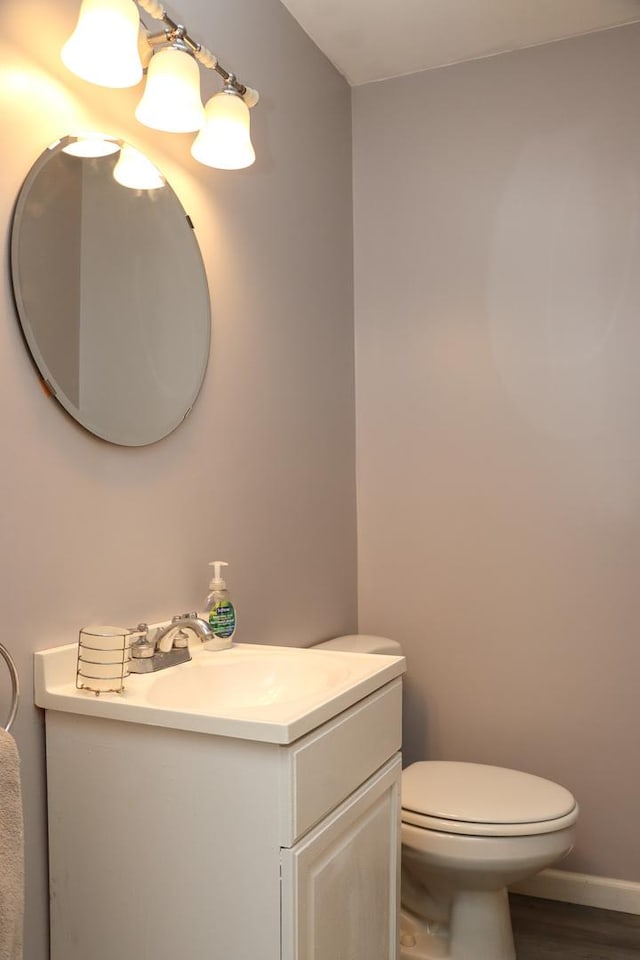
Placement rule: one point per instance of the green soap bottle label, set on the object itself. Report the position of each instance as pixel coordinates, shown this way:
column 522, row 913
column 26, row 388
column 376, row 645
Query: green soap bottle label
column 222, row 619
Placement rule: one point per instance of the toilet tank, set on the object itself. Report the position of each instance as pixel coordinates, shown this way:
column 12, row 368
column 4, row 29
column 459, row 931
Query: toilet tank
column 362, row 643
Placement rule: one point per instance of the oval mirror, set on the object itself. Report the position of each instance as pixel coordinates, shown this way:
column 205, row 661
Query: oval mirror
column 110, row 289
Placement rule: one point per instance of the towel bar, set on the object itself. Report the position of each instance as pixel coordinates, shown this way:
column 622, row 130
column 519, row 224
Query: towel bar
column 15, row 686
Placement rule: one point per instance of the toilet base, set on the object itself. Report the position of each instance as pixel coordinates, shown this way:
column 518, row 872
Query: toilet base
column 418, row 942
column 480, row 929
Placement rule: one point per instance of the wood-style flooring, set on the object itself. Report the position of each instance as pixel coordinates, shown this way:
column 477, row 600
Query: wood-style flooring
column 550, row 930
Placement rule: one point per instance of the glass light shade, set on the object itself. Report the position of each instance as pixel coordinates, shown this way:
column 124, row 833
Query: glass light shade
column 91, row 145
column 171, row 99
column 135, row 171
column 103, row 48
column 225, row 140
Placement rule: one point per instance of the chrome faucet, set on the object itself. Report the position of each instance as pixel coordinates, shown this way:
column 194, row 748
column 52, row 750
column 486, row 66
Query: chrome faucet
column 165, row 638
column 169, row 646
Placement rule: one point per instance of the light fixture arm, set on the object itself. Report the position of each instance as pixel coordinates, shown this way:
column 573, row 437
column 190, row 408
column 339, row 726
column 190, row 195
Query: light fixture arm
column 177, row 33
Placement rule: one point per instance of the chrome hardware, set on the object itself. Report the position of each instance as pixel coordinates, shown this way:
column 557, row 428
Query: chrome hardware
column 142, row 647
column 166, row 636
column 15, row 686
column 170, row 644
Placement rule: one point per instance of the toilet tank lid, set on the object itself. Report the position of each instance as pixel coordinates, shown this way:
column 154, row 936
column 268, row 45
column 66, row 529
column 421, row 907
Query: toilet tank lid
column 363, row 643
column 476, row 793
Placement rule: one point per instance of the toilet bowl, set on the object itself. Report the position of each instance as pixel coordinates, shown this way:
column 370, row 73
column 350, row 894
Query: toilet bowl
column 469, row 831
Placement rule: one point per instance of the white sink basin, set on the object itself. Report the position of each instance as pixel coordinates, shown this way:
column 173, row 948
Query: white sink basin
column 245, row 682
column 251, row 691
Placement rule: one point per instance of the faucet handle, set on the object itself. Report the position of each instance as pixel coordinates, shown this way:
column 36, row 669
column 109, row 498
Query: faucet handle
column 180, row 640
column 142, row 647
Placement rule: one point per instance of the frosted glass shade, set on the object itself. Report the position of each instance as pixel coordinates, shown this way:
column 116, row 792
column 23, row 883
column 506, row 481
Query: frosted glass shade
column 225, row 140
column 171, row 99
column 135, row 171
column 91, row 145
column 103, row 48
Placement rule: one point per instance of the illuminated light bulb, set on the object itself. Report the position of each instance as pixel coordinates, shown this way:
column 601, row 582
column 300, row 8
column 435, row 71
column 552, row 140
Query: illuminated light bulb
column 103, row 48
column 91, row 145
column 171, row 99
column 225, row 140
column 136, row 171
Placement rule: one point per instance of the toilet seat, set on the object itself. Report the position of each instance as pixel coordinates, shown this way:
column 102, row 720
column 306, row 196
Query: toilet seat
column 480, row 800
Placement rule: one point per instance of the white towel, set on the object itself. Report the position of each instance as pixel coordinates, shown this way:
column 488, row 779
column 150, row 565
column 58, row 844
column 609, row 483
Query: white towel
column 11, row 851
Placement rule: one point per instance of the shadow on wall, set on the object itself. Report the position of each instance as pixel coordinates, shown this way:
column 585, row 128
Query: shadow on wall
column 415, row 724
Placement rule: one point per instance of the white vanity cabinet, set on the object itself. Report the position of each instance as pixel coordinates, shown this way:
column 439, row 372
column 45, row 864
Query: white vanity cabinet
column 167, row 844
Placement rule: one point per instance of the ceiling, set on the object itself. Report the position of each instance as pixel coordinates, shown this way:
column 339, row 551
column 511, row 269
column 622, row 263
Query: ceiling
column 376, row 39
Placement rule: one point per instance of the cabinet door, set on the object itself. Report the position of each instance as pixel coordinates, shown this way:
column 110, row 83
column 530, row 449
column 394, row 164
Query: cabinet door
column 341, row 883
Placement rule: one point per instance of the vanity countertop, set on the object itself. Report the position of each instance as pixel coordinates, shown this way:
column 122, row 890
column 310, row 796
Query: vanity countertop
column 250, row 691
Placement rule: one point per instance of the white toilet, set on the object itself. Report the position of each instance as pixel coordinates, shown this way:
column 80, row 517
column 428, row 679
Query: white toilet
column 468, row 832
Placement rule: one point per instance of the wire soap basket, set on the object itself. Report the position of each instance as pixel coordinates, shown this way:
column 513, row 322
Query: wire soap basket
column 104, row 654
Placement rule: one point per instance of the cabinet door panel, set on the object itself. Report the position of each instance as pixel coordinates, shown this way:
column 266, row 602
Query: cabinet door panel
column 340, row 884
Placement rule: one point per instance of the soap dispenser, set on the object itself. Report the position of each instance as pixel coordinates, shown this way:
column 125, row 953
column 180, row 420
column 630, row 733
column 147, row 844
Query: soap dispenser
column 220, row 611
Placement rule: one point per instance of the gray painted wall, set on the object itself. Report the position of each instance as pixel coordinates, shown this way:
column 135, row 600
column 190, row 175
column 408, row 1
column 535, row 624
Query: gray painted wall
column 497, row 239
column 262, row 473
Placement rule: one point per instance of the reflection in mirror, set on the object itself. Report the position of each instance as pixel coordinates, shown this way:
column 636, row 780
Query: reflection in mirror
column 133, row 170
column 110, row 289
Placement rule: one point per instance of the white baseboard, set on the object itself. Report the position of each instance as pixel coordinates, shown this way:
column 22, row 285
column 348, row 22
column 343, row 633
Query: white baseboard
column 590, row 891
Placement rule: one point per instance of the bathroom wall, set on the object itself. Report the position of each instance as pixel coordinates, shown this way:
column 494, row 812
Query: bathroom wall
column 262, row 472
column 497, row 291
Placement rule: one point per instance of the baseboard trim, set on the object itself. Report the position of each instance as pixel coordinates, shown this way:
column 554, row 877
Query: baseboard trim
column 582, row 888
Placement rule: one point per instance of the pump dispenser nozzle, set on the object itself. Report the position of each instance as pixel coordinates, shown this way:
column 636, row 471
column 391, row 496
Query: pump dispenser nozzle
column 217, row 583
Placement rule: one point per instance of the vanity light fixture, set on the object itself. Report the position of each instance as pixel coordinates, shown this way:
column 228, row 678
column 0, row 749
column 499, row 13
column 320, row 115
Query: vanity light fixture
column 225, row 141
column 171, row 99
column 107, row 47
column 103, row 48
